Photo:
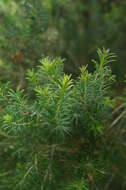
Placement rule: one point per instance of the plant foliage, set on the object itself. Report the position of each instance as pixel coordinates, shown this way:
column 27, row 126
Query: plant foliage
column 53, row 135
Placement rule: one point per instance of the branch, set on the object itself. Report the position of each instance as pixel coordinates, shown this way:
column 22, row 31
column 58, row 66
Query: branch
column 48, row 170
column 117, row 119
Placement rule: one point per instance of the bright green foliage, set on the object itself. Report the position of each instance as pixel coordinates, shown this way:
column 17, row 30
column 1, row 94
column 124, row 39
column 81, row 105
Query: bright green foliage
column 52, row 135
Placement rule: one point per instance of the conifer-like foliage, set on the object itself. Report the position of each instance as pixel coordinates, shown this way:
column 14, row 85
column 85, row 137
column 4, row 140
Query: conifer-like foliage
column 53, row 134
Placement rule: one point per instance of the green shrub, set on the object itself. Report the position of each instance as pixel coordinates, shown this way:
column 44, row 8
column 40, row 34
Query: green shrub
column 53, row 133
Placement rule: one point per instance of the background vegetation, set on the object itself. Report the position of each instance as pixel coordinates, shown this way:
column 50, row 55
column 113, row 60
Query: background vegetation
column 71, row 29
column 62, row 123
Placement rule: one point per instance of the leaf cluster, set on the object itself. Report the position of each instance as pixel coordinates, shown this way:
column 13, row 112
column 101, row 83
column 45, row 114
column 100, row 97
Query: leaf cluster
column 51, row 134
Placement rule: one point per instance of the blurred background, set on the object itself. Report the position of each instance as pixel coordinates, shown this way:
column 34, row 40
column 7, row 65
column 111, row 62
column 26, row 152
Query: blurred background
column 72, row 29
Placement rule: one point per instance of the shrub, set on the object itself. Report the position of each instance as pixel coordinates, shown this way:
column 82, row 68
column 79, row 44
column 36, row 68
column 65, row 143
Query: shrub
column 53, row 134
